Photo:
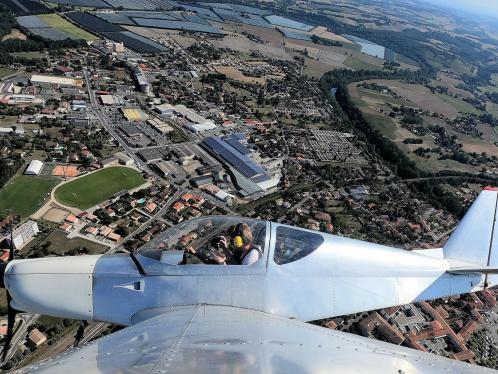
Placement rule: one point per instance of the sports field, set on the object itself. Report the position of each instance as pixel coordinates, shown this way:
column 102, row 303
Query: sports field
column 57, row 22
column 23, row 195
column 94, row 188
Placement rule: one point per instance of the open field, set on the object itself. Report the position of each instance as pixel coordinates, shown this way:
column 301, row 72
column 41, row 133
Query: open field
column 446, row 80
column 489, row 88
column 459, row 104
column 94, row 188
column 23, row 195
column 33, row 55
column 5, row 71
column 233, row 73
column 421, row 97
column 357, row 63
column 371, row 102
column 59, row 244
column 57, row 22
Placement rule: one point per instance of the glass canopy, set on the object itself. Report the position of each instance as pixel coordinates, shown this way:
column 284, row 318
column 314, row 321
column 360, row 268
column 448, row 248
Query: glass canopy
column 207, row 240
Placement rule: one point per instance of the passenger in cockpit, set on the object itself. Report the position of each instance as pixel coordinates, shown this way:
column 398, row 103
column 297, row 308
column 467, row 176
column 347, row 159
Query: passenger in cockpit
column 245, row 252
column 234, row 246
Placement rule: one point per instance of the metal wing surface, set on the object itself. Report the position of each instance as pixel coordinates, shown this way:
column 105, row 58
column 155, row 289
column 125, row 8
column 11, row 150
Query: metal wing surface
column 216, row 339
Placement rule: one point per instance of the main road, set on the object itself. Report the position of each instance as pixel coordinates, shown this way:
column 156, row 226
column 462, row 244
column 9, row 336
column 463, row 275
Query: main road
column 105, row 123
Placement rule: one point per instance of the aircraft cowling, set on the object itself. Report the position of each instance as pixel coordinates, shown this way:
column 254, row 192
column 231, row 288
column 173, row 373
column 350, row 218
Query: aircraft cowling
column 55, row 286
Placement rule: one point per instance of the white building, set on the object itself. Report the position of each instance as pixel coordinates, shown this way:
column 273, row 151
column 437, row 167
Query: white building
column 200, row 127
column 24, row 233
column 56, row 80
column 164, row 109
column 34, row 168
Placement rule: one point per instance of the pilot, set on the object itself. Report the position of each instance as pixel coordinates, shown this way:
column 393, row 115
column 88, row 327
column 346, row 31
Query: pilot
column 234, row 248
column 244, row 250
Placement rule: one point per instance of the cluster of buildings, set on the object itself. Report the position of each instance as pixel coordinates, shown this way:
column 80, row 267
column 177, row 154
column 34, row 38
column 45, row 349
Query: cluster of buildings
column 325, row 146
column 185, row 117
column 189, row 205
column 443, row 327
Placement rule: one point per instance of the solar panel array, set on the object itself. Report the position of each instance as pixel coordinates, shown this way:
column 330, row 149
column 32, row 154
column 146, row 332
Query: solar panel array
column 50, row 33
column 241, row 163
column 176, row 25
column 93, row 23
column 37, row 26
column 234, row 141
column 118, row 17
column 238, row 8
column 285, row 22
column 135, row 42
column 31, row 21
column 140, row 4
column 203, row 12
column 85, row 3
column 294, row 34
column 249, row 19
column 25, row 7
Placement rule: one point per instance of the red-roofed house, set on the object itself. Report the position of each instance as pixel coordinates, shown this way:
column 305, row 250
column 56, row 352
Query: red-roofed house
column 151, row 207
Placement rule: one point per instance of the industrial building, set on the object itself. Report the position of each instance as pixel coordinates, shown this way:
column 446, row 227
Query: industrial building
column 160, row 126
column 24, row 233
column 164, row 109
column 246, row 174
column 197, row 123
column 21, row 99
column 54, row 80
column 34, row 168
column 141, row 79
column 197, row 128
column 106, row 99
column 14, row 130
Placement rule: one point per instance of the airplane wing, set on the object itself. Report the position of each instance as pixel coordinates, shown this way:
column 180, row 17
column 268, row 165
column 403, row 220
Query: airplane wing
column 217, row 339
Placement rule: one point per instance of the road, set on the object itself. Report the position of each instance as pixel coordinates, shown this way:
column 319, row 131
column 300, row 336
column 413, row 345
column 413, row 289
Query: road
column 105, row 123
column 153, row 218
column 20, row 334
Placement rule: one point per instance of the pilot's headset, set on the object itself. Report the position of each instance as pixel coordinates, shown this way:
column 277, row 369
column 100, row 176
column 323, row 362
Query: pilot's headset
column 238, row 236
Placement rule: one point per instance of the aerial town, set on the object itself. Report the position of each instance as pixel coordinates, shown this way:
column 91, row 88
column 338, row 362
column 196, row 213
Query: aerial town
column 144, row 115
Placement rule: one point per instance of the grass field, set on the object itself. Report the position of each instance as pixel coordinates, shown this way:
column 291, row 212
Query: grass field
column 459, row 104
column 33, row 55
column 94, row 188
column 458, row 66
column 5, row 71
column 358, row 64
column 383, row 97
column 493, row 89
column 59, row 244
column 60, row 23
column 23, row 195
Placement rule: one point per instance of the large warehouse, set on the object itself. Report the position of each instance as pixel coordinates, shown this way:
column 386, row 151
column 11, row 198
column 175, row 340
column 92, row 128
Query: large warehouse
column 249, row 176
column 34, row 168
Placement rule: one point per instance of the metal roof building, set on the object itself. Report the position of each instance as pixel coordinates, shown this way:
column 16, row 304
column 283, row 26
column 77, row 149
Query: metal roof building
column 34, row 168
column 249, row 176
